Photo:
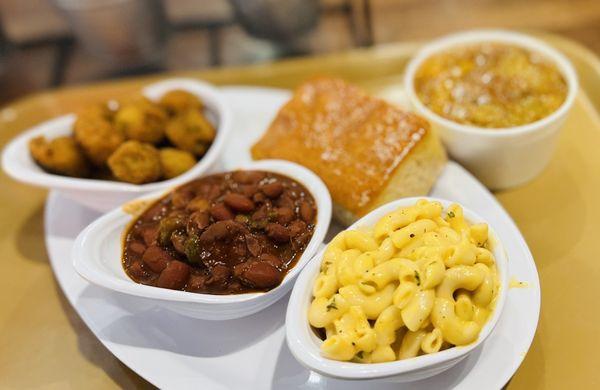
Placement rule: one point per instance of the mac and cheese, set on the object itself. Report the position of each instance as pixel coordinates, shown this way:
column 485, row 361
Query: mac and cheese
column 421, row 280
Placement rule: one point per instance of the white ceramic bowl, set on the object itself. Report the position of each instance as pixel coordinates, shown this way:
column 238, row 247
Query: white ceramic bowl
column 304, row 343
column 103, row 195
column 97, row 255
column 500, row 158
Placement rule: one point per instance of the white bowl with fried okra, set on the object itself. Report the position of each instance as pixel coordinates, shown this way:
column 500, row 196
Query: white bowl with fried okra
column 104, row 194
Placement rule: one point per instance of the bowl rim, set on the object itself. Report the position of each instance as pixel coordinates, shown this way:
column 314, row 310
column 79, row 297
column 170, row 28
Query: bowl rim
column 464, row 38
column 303, row 343
column 36, row 176
column 118, row 218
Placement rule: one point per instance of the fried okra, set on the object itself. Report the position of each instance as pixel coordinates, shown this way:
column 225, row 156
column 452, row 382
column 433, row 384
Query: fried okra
column 119, row 142
column 101, row 110
column 191, row 131
column 96, row 135
column 61, row 155
column 136, row 162
column 175, row 162
column 142, row 120
column 178, row 101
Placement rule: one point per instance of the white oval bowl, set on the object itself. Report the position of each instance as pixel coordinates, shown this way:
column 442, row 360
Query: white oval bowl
column 506, row 157
column 304, row 343
column 104, row 195
column 97, row 255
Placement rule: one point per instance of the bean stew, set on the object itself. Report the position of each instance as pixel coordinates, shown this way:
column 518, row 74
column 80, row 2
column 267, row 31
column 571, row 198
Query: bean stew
column 228, row 233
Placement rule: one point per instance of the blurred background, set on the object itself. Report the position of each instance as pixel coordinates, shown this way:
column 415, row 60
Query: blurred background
column 51, row 43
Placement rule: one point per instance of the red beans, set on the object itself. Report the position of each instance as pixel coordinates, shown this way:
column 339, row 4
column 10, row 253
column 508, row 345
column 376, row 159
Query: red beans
column 221, row 230
column 271, row 259
column 239, row 249
column 277, row 232
column 174, row 276
column 137, row 247
column 156, row 258
column 180, row 198
column 285, row 201
column 222, row 234
column 210, row 191
column 284, row 215
column 262, row 275
column 297, row 227
column 220, row 212
column 248, row 177
column 198, row 221
column 136, row 270
column 272, row 190
column 306, row 212
column 153, row 212
column 248, row 190
column 149, row 234
column 261, row 214
column 239, row 202
column 219, row 275
column 253, row 245
column 197, row 282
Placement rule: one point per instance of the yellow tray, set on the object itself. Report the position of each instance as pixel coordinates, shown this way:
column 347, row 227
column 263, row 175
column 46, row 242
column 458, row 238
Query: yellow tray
column 44, row 343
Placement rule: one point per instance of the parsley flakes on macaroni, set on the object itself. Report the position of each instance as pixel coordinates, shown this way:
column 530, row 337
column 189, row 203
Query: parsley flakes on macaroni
column 418, row 282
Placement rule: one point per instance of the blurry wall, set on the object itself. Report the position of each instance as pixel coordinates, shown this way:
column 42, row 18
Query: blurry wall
column 40, row 51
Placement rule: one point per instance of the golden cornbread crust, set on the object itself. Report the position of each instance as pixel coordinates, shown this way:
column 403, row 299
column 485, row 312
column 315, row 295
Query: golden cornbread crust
column 353, row 141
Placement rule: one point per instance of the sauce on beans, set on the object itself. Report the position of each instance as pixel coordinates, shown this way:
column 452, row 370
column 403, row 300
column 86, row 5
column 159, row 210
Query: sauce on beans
column 228, row 233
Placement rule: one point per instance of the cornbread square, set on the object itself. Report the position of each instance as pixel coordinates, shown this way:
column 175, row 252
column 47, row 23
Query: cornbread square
column 367, row 151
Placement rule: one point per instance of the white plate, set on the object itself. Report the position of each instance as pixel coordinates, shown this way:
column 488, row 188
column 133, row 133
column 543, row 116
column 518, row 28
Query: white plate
column 172, row 351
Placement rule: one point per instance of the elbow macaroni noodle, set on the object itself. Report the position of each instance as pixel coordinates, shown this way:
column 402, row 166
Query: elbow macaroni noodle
column 420, row 281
